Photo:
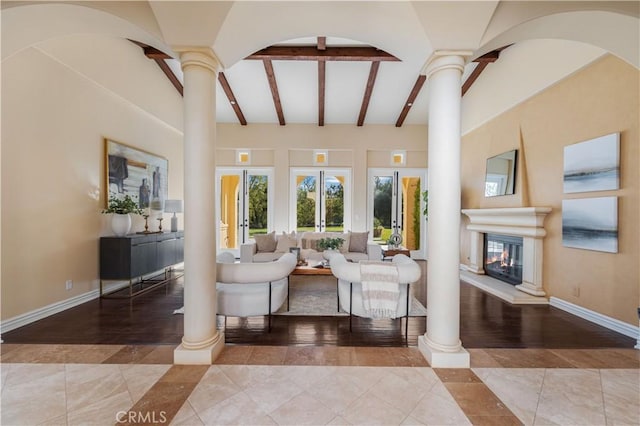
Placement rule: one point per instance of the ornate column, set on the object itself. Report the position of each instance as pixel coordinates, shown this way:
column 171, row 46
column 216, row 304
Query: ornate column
column 202, row 342
column 441, row 343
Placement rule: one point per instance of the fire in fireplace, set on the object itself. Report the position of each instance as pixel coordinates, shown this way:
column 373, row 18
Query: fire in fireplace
column 503, row 257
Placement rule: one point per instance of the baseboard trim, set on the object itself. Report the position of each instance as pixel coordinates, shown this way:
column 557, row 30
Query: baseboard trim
column 600, row 319
column 46, row 311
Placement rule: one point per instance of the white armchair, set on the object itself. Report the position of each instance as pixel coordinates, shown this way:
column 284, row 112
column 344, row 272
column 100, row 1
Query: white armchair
column 246, row 289
column 350, row 285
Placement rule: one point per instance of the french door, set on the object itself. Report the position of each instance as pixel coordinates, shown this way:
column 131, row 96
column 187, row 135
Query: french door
column 244, row 206
column 395, row 204
column 320, row 200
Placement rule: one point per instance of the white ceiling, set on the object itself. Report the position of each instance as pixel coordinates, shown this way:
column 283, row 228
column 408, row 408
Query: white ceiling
column 345, row 84
column 552, row 40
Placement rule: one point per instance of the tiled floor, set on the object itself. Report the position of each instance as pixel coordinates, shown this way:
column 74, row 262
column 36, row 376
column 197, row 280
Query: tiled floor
column 258, row 385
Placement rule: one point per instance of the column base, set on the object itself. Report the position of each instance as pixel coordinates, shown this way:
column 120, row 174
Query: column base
column 442, row 359
column 202, row 356
column 531, row 289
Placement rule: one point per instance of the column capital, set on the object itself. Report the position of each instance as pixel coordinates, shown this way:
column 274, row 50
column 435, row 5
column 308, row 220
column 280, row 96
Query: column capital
column 198, row 56
column 445, row 59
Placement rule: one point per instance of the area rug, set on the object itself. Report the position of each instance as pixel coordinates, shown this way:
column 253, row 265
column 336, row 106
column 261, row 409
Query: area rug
column 317, row 296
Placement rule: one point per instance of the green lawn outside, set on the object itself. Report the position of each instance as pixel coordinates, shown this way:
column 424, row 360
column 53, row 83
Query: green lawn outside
column 254, row 231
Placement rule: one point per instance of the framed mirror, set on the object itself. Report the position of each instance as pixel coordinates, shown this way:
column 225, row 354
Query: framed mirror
column 500, row 178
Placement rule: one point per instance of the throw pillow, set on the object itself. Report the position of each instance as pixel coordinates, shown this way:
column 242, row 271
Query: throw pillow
column 310, row 243
column 344, row 248
column 285, row 241
column 265, row 243
column 358, row 242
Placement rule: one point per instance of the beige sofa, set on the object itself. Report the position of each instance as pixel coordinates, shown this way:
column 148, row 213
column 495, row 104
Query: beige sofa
column 269, row 247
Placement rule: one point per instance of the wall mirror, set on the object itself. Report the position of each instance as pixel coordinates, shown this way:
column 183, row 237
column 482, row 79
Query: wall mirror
column 501, row 174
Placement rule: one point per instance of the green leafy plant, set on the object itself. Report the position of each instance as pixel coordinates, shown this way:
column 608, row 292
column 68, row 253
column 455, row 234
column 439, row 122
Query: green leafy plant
column 425, row 196
column 330, row 243
column 122, row 205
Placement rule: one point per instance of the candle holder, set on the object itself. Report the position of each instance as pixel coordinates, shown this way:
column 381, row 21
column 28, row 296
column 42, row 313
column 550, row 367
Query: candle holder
column 160, row 224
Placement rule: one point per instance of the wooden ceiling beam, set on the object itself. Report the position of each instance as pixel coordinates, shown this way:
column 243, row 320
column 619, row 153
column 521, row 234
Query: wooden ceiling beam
column 232, row 99
column 373, row 73
column 411, row 99
column 322, row 67
column 322, row 43
column 321, row 91
column 271, row 76
column 153, row 53
column 312, row 53
column 170, row 75
column 159, row 58
column 482, row 61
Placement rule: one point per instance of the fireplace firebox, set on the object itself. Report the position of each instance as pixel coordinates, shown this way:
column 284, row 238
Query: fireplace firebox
column 503, row 257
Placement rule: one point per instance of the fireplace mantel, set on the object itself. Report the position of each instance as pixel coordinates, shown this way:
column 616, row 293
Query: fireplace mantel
column 525, row 222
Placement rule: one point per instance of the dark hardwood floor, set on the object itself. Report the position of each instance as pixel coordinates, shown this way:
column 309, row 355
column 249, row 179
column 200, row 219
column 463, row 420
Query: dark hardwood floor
column 486, row 322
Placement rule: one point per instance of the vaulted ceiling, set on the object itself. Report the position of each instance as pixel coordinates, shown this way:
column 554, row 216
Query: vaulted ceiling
column 321, row 79
column 343, row 62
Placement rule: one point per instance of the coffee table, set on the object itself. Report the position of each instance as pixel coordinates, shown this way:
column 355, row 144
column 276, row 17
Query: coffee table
column 388, row 252
column 311, row 271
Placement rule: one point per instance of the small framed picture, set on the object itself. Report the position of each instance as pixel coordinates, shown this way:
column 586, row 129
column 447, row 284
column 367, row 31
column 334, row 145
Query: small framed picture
column 296, row 251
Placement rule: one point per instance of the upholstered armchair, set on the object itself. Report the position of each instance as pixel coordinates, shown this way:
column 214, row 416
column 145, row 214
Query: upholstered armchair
column 251, row 289
column 350, row 285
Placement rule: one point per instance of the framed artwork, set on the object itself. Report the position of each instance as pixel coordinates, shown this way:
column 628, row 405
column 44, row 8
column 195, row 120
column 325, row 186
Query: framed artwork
column 140, row 174
column 593, row 165
column 590, row 224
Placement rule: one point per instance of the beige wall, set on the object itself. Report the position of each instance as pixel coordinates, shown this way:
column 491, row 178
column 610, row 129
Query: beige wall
column 53, row 124
column 349, row 146
column 601, row 99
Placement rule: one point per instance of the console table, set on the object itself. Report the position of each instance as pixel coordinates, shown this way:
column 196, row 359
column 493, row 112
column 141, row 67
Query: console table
column 133, row 256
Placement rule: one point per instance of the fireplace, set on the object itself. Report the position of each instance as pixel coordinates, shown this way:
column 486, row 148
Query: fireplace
column 525, row 223
column 503, row 257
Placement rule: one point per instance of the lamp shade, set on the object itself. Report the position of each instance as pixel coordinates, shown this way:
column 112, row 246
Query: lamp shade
column 173, row 206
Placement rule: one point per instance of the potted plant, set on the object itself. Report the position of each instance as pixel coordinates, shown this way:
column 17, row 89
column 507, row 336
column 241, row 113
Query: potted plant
column 329, row 246
column 121, row 208
column 377, row 228
column 330, row 243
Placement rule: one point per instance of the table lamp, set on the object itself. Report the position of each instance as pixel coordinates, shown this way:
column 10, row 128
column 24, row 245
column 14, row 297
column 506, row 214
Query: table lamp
column 173, row 206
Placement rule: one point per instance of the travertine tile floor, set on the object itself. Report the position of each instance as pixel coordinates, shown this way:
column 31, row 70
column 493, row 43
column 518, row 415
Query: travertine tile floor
column 115, row 384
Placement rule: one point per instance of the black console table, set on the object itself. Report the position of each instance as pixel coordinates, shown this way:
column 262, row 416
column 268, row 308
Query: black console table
column 133, row 256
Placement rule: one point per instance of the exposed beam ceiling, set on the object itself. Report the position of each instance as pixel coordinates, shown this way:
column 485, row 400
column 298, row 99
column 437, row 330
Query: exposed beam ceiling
column 320, row 53
column 412, row 97
column 312, row 53
column 482, row 61
column 373, row 73
column 322, row 66
column 232, row 99
column 160, row 58
column 273, row 85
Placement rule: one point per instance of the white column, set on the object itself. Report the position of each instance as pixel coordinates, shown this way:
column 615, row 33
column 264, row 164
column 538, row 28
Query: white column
column 202, row 342
column 441, row 343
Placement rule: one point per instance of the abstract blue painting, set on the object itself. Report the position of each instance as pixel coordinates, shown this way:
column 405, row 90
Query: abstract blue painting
column 593, row 165
column 590, row 223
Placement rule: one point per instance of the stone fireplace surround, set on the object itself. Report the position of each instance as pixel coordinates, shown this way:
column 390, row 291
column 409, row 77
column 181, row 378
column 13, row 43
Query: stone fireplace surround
column 525, row 222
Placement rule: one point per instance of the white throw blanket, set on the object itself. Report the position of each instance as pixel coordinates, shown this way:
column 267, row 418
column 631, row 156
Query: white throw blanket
column 380, row 288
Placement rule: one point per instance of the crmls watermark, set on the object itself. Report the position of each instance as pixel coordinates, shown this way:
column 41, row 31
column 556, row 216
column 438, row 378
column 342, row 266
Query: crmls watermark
column 133, row 417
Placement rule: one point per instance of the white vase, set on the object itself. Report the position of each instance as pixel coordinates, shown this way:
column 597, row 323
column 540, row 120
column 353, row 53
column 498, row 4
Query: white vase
column 120, row 224
column 329, row 252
